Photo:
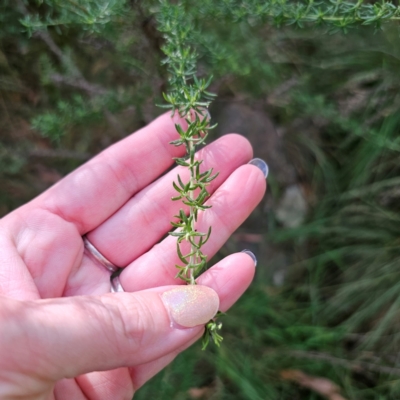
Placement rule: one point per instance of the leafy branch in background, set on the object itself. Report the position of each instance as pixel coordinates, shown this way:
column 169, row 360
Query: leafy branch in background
column 79, row 101
column 90, row 14
column 336, row 14
column 94, row 16
column 188, row 96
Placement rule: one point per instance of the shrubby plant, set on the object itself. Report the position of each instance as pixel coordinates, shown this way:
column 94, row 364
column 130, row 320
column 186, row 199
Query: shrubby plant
column 188, row 96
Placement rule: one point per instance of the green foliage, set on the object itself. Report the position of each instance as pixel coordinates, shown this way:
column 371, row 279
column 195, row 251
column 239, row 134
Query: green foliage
column 358, row 232
column 337, row 14
column 69, row 113
column 188, row 96
column 89, row 14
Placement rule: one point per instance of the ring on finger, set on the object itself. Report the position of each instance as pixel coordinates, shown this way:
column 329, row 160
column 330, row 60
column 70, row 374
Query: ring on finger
column 116, row 285
column 95, row 255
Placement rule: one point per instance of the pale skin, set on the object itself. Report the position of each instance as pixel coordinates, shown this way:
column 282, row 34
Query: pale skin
column 58, row 320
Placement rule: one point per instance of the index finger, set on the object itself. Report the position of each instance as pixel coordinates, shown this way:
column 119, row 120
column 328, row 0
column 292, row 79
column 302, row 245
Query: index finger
column 93, row 192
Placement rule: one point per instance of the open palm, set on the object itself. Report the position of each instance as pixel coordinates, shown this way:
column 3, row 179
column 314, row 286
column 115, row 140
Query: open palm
column 67, row 323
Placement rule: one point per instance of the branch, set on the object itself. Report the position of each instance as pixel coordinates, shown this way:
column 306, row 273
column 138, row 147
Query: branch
column 78, row 83
column 78, row 80
column 336, row 13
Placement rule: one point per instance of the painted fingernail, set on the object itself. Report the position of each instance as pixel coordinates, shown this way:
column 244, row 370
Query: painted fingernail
column 259, row 163
column 191, row 305
column 251, row 254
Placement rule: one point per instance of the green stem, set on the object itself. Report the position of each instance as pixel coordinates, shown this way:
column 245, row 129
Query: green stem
column 192, row 211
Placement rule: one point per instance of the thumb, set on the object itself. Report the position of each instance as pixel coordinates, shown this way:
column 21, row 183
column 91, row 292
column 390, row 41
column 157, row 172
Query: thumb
column 64, row 338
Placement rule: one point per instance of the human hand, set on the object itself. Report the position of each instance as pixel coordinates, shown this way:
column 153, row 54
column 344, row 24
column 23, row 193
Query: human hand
column 60, row 323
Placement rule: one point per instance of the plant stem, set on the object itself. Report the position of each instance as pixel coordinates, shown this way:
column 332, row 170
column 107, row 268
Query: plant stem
column 193, row 258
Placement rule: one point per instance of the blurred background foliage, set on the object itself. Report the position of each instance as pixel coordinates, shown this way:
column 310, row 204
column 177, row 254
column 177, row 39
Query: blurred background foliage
column 322, row 317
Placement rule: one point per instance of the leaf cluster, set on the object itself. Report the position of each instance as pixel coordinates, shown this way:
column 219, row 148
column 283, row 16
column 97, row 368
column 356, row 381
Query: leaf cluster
column 193, row 194
column 89, row 14
column 336, row 14
column 211, row 332
column 189, row 97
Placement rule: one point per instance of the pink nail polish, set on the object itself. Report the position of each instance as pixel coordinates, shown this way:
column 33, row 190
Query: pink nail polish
column 191, row 305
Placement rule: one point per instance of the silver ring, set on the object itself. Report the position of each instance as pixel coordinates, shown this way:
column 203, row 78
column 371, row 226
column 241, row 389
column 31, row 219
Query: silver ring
column 97, row 256
column 116, row 285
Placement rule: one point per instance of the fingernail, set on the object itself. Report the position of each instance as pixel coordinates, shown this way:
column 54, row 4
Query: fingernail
column 251, row 254
column 191, row 305
column 259, row 163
